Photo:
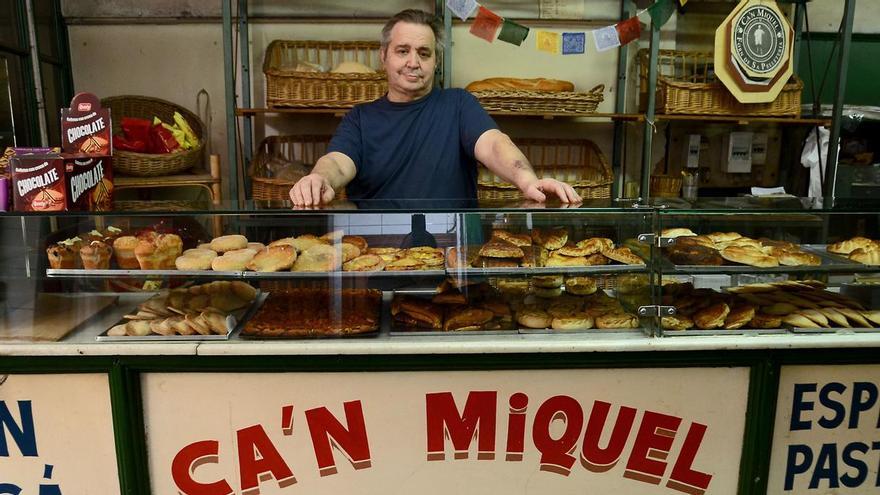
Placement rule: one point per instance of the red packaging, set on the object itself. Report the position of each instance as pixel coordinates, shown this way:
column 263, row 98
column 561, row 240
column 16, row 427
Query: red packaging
column 89, row 181
column 38, row 182
column 86, row 126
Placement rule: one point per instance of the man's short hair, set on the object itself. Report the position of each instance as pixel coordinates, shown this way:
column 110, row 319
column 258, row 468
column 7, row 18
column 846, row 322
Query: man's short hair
column 414, row 16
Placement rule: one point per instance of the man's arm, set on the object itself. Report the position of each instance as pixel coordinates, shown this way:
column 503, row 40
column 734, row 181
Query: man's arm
column 331, row 172
column 498, row 153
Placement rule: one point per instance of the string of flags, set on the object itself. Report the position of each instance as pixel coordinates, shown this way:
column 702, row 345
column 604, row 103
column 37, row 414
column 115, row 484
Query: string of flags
column 490, row 26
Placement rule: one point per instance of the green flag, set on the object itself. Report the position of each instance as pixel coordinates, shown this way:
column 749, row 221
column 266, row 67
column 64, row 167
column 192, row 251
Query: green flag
column 660, row 12
column 513, row 33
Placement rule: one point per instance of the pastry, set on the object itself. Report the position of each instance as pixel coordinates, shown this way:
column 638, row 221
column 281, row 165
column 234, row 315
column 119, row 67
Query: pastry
column 256, row 246
column 496, row 262
column 572, row 250
column 404, row 264
column 623, row 255
column 574, row 321
column 798, row 320
column 123, row 251
column 467, row 318
column 428, row 314
column 693, row 255
column 533, row 318
column 357, row 240
column 815, row 315
column 616, row 319
column 233, row 261
column 765, row 242
column 515, row 84
column 696, row 240
column 676, row 232
column 497, row 248
column 195, row 259
column 559, row 260
column 723, row 236
column 765, row 321
column 748, row 256
column 229, row 243
column 595, row 245
column 450, row 297
column 581, row 286
column 158, row 252
column 365, row 263
column 520, row 240
column 273, row 259
column 849, row 245
column 547, row 293
column 795, row 258
column 550, row 239
column 304, row 242
column 866, row 256
column 430, row 256
column 348, row 251
column 711, row 317
column 96, row 255
column 512, row 285
column 319, row 257
column 461, row 256
column 855, row 317
column 333, row 236
column 65, row 254
column 739, row 315
column 547, row 281
column 676, row 322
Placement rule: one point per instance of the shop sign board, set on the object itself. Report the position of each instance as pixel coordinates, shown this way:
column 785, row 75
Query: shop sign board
column 634, row 431
column 827, row 431
column 56, row 435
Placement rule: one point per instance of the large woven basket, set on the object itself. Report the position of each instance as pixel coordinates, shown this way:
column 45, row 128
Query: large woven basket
column 288, row 87
column 568, row 102
column 579, row 162
column 305, row 149
column 147, row 164
column 686, row 84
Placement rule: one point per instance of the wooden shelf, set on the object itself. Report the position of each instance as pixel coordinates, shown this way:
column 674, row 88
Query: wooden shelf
column 724, row 118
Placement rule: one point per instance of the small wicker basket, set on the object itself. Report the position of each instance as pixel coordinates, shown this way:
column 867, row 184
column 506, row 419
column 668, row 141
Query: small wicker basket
column 686, row 84
column 566, row 102
column 579, row 162
column 288, row 87
column 147, row 164
column 666, row 186
column 305, row 149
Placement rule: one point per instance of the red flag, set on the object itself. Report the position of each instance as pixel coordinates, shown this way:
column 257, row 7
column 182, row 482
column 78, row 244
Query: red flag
column 486, row 24
column 629, row 30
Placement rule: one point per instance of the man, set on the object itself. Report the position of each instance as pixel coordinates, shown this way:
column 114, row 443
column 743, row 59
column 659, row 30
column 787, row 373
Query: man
column 418, row 142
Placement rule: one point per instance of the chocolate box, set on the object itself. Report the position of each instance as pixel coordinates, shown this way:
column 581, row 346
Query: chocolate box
column 89, row 181
column 86, row 126
column 38, row 182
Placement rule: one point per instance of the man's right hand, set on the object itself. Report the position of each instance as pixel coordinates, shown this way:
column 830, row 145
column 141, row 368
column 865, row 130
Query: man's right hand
column 312, row 190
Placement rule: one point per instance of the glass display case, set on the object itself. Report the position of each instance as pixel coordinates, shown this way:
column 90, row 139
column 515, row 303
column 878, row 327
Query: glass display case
column 405, row 271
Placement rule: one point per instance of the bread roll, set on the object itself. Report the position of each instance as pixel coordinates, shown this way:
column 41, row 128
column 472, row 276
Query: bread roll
column 229, row 243
column 514, row 84
column 195, row 259
column 319, row 257
column 233, row 261
column 534, row 318
column 594, row 245
column 273, row 259
column 748, row 256
column 575, row 321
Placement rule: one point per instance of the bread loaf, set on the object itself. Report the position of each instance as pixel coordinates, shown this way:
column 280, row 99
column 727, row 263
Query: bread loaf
column 514, row 84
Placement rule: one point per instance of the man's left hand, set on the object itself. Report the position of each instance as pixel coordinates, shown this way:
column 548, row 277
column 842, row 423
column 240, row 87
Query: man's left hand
column 540, row 189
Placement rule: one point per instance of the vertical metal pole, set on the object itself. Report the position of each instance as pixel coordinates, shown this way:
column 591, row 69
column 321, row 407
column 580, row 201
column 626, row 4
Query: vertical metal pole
column 837, row 112
column 648, row 142
column 229, row 83
column 37, row 73
column 247, row 122
column 617, row 168
column 798, row 35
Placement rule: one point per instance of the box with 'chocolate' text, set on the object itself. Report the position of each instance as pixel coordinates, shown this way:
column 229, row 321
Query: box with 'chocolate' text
column 89, row 182
column 86, row 126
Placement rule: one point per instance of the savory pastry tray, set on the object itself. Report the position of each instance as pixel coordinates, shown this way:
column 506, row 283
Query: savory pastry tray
column 234, row 323
column 830, row 263
column 722, row 332
column 248, row 275
column 547, row 270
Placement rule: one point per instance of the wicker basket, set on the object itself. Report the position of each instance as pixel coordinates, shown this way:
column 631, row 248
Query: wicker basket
column 306, row 149
column 686, row 84
column 666, row 186
column 147, row 164
column 287, row 87
column 579, row 162
column 568, row 102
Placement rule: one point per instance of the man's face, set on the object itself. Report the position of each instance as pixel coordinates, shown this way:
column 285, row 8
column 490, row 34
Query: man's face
column 409, row 61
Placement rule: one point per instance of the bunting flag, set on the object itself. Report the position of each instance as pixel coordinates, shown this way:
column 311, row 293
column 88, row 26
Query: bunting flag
column 548, row 42
column 660, row 12
column 629, row 30
column 606, row 38
column 681, row 3
column 486, row 24
column 463, row 8
column 573, row 43
column 513, row 33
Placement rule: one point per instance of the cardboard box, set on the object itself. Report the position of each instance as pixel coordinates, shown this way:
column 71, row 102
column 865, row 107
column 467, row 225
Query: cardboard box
column 86, row 126
column 89, row 181
column 38, row 182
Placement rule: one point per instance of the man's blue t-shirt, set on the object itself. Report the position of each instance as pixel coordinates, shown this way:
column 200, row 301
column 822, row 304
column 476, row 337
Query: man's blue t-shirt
column 422, row 149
